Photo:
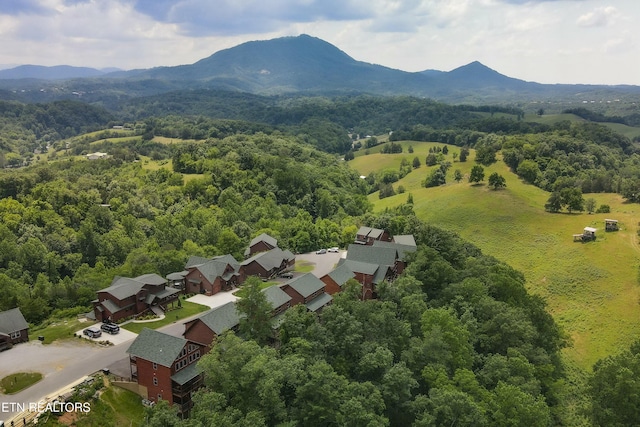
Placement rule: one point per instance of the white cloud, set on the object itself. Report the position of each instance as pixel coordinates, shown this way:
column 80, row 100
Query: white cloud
column 600, row 17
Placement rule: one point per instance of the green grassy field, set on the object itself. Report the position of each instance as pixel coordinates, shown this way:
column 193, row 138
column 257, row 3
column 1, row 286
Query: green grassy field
column 188, row 309
column 591, row 289
column 56, row 329
column 17, row 382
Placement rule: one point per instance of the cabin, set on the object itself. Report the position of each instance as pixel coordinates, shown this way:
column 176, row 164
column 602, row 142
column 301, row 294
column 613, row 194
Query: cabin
column 268, row 264
column 368, row 235
column 204, row 329
column 261, row 243
column 165, row 368
column 13, row 328
column 133, row 296
column 308, row 290
column 611, row 225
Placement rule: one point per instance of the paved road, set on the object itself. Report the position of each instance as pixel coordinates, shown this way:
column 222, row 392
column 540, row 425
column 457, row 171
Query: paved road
column 65, row 362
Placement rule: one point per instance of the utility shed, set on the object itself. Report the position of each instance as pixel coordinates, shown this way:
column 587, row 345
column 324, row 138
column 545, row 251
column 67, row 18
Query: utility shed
column 611, row 225
column 589, row 233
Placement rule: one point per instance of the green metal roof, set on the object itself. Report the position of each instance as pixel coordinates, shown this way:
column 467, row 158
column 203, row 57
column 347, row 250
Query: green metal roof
column 12, row 321
column 319, row 302
column 221, row 318
column 157, row 347
column 187, row 374
column 372, row 254
column 276, row 296
column 306, row 284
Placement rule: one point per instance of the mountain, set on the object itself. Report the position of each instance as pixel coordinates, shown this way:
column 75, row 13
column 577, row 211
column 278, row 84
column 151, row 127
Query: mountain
column 58, row 72
column 290, row 65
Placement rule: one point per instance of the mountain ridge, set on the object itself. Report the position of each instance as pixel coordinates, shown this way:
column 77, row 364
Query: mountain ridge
column 307, row 64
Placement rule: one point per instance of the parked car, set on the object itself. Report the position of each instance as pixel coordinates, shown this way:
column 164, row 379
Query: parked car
column 286, row 275
column 321, row 251
column 110, row 328
column 92, row 332
column 334, row 249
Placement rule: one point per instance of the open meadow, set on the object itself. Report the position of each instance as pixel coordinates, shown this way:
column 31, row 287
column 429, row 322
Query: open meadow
column 591, row 288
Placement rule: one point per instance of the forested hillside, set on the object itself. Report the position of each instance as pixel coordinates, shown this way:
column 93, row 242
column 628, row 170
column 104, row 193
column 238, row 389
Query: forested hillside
column 70, row 225
column 455, row 340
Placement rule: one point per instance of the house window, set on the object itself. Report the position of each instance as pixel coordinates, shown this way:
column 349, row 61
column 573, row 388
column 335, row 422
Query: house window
column 155, row 366
column 155, row 381
column 159, row 397
column 15, row 335
column 183, row 352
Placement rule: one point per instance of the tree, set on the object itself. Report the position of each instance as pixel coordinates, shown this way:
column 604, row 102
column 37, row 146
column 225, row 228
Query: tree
column 497, row 181
column 256, row 324
column 615, row 389
column 554, row 203
column 572, row 198
column 431, row 160
column 590, row 205
column 486, row 155
column 477, row 174
column 416, row 162
column 529, row 171
column 464, row 153
column 457, row 175
column 349, row 156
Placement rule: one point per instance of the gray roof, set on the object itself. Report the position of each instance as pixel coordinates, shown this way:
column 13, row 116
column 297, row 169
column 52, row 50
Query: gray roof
column 123, row 287
column 372, row 254
column 187, row 374
column 405, row 239
column 341, row 274
column 166, row 292
column 195, row 260
column 180, row 275
column 276, row 296
column 400, row 248
column 270, row 259
column 151, row 279
column 12, row 321
column 360, row 267
column 221, row 318
column 212, row 269
column 264, row 237
column 319, row 302
column 306, row 284
column 112, row 306
column 157, row 347
column 370, row 232
column 229, row 259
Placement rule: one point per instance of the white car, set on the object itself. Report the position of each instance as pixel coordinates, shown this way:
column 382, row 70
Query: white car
column 321, row 251
column 334, row 249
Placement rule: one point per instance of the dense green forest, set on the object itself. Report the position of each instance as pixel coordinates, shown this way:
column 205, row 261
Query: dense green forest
column 456, row 340
column 68, row 226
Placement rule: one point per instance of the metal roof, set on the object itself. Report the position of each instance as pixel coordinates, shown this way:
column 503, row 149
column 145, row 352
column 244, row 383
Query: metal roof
column 157, row 347
column 12, row 321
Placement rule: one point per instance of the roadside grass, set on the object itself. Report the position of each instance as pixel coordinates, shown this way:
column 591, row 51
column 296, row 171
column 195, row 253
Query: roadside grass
column 188, row 309
column 56, row 329
column 304, row 266
column 242, row 292
column 126, row 406
column 115, row 407
column 591, row 289
column 17, row 382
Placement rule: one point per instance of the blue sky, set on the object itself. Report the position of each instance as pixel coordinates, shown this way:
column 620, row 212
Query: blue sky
column 547, row 41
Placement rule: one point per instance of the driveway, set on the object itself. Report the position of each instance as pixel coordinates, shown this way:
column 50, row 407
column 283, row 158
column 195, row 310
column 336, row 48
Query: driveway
column 322, row 263
column 119, row 338
column 221, row 298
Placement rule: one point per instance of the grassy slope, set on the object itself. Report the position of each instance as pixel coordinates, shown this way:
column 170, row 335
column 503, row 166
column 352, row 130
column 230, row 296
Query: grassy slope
column 591, row 289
